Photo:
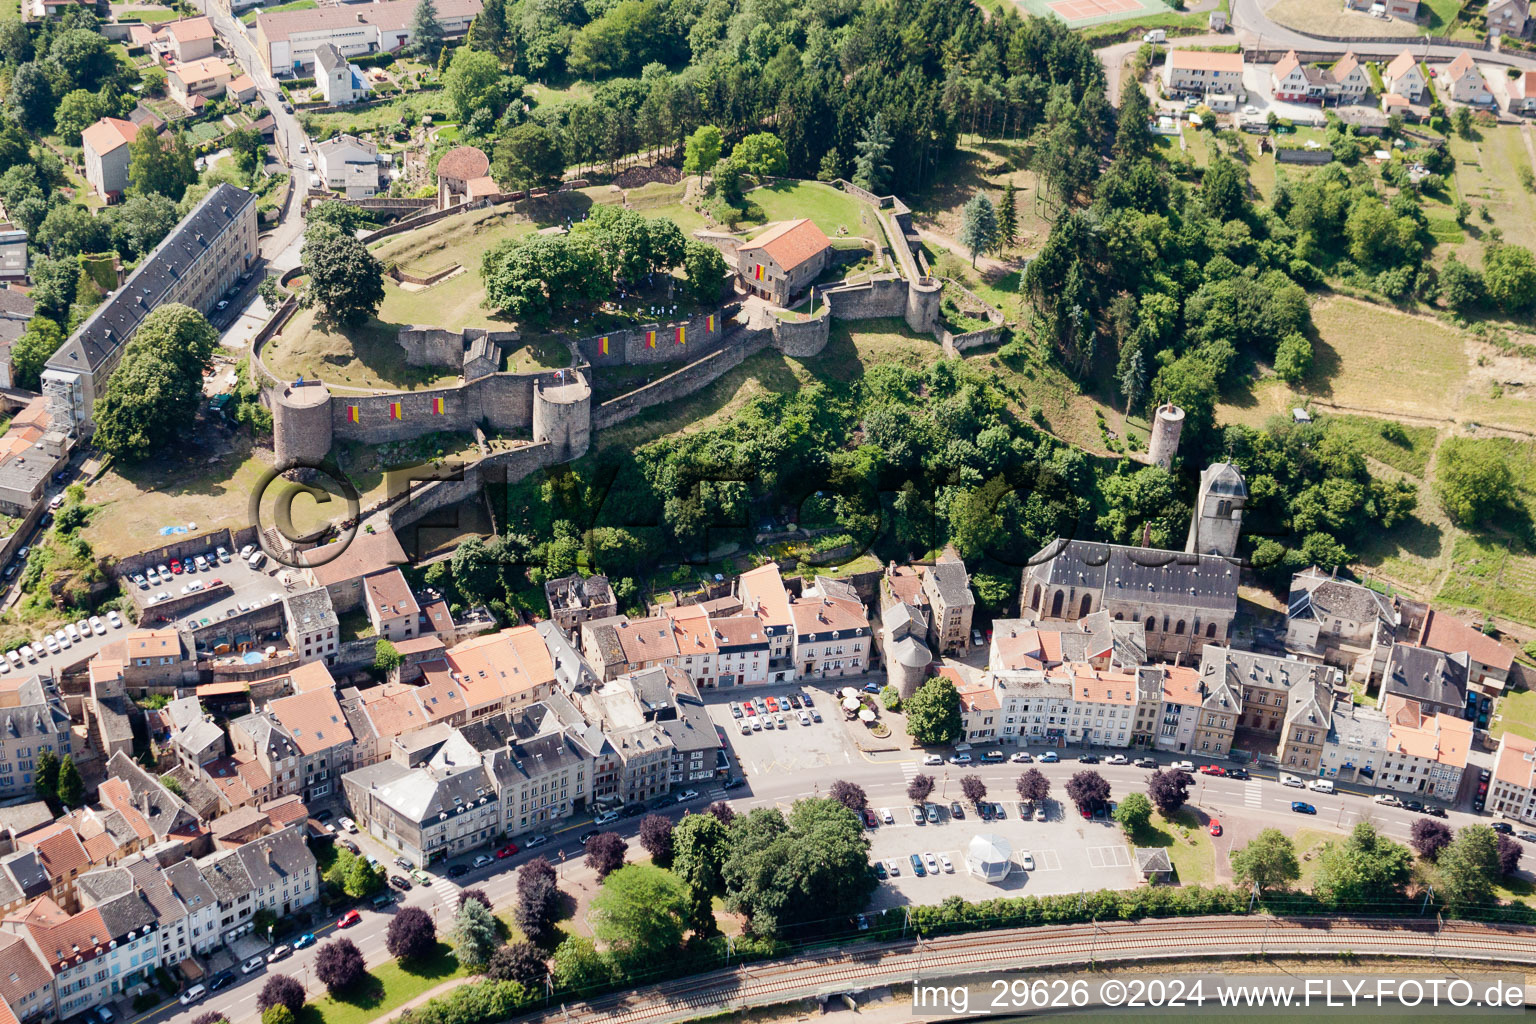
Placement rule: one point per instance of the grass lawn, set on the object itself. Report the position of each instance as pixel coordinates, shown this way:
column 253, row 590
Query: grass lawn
column 1188, row 844
column 834, row 211
column 375, row 118
column 294, row 5
column 368, row 357
column 462, row 240
column 149, row 17
column 1309, row 844
column 1486, row 168
column 1516, row 714
column 387, row 986
column 543, row 94
column 1404, row 448
column 1442, row 15
column 977, row 166
column 134, row 502
column 1324, row 17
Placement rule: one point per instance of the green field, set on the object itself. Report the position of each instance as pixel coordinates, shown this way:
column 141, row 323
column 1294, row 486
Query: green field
column 1516, row 714
column 1187, row 841
column 833, row 210
column 293, row 5
column 1486, row 175
column 385, row 987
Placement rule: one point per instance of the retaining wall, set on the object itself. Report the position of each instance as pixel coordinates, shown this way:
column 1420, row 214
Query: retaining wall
column 500, row 401
column 406, row 277
column 434, row 346
column 879, row 297
column 683, row 382
column 231, row 539
column 954, row 344
column 499, row 469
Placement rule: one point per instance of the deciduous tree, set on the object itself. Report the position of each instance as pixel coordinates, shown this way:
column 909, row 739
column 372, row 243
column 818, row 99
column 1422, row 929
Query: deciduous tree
column 41, row 339
column 850, row 795
column 339, row 964
column 656, row 838
column 1363, row 870
column 919, row 788
column 640, row 913
column 605, row 853
column 1428, row 837
column 160, row 166
column 702, row 151
column 1033, row 786
column 1134, row 813
column 411, row 934
column 1269, row 859
column 1468, row 868
column 280, row 990
column 522, row 962
column 346, row 281
column 1168, row 790
column 933, row 713
column 973, row 788
column 1087, row 788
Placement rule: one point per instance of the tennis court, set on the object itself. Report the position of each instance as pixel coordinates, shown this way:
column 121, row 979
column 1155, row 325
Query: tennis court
column 1078, row 13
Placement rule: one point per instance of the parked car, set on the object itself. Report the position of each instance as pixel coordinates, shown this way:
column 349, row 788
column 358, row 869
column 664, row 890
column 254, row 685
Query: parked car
column 400, row 882
column 931, row 811
column 992, row 757
column 1433, row 811
column 348, row 919
column 1049, row 757
column 307, row 939
column 932, row 759
column 1292, row 781
column 506, row 851
column 1302, row 808
column 1041, row 813
column 1237, row 773
column 139, row 579
column 880, row 872
column 1321, row 785
column 686, row 795
column 946, row 864
column 1387, row 800
column 347, row 823
column 193, row 994
column 97, row 626
column 917, row 815
column 1215, row 827
column 870, row 820
column 1026, row 861
column 1088, row 759
column 350, row 847
column 1213, row 769
column 1529, row 837
column 1503, row 828
column 484, row 860
column 1145, row 762
column 960, row 759
column 114, row 620
column 605, row 817
column 955, row 810
column 252, row 965
column 1022, row 757
column 460, row 870
column 893, row 867
column 735, row 710
column 279, row 953
column 1117, row 759
column 917, row 866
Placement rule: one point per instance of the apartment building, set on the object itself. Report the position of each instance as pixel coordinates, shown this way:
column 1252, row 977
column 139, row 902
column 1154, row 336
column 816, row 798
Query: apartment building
column 104, row 149
column 832, row 635
column 33, row 720
column 303, row 742
column 762, row 594
column 348, row 165
column 1425, row 754
column 430, row 808
column 392, row 608
column 1512, row 790
column 204, row 255
column 286, row 40
column 1203, row 72
column 575, row 599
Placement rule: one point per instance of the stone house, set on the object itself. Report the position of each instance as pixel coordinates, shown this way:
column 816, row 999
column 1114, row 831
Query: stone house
column 1340, row 623
column 832, row 632
column 781, row 262
column 104, row 147
column 1464, row 82
column 947, row 587
column 762, row 593
column 392, row 608
column 1404, row 77
column 1425, row 754
column 575, row 598
column 338, row 81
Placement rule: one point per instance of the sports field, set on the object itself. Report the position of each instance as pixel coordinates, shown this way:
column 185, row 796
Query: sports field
column 1078, row 13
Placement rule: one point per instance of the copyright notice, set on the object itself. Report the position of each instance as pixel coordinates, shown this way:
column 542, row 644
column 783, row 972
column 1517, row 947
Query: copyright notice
column 1012, row 994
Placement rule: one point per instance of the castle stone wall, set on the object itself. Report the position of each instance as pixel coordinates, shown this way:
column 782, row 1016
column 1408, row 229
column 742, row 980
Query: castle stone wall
column 502, row 468
column 683, row 382
column 879, row 297
column 802, row 338
column 629, row 347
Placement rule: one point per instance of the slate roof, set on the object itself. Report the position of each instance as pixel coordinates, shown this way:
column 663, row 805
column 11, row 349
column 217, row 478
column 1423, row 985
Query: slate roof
column 1315, row 595
column 188, row 885
column 114, row 322
column 952, row 583
column 290, row 857
column 1426, row 676
column 329, row 57
column 1123, row 572
column 224, row 873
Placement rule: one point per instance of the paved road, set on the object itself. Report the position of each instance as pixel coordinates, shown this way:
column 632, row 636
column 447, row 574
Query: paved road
column 280, row 246
column 1254, row 27
column 899, row 964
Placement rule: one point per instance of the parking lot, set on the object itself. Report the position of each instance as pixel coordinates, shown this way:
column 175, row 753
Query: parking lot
column 805, row 748
column 1069, row 854
column 247, row 587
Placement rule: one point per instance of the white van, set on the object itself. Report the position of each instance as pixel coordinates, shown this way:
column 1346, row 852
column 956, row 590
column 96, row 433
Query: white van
column 1157, row 35
column 28, row 653
column 14, row 657
column 258, row 559
column 1321, row 785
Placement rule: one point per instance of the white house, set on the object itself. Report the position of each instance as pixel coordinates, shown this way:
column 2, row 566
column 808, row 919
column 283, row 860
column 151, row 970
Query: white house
column 1203, row 71
column 338, row 81
column 1405, row 78
column 1464, row 82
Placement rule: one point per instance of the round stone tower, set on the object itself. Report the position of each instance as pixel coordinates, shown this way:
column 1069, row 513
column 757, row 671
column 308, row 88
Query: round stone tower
column 923, row 299
column 906, row 666
column 1167, row 424
column 301, row 422
column 562, row 414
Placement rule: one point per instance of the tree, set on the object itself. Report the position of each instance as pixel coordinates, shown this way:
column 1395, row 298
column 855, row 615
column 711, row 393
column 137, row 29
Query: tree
column 345, row 279
column 784, row 871
column 475, row 896
column 474, row 79
column 71, row 785
column 411, row 934
column 1133, row 813
column 1293, row 358
column 722, row 811
column 978, row 232
column 346, row 219
column 705, row 271
column 871, row 168
column 1168, row 790
column 933, row 713
column 1363, row 870
column 30, row 101
column 849, row 795
column 919, row 788
column 70, row 230
column 1087, row 788
column 426, row 32
column 761, row 155
column 1509, row 855
column 656, row 838
column 580, row 968
column 46, row 784
column 1461, row 286
column 386, row 657
column 1268, row 859
column 973, row 788
column 700, row 843
column 83, row 56
column 527, row 156
column 640, row 913
column 530, row 276
column 702, row 151
column 140, row 223
column 41, row 339
column 1428, row 837
column 281, row 990
column 538, row 898
column 248, row 148
column 474, row 934
column 1033, row 786
column 1509, row 277
column 1133, row 134
column 522, row 962
column 1008, row 216
column 339, row 964
column 211, row 1017
column 153, row 398
column 76, row 112
column 363, row 879
column 277, row 1015
column 160, row 167
column 605, row 853
column 1461, row 120
column 1468, row 868
column 1473, row 481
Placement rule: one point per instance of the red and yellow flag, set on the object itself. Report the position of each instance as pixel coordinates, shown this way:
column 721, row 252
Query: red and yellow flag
column 680, row 331
column 757, row 275
column 602, row 344
column 709, row 324
column 650, row 339
column 439, row 406
column 394, row 411
column 354, row 415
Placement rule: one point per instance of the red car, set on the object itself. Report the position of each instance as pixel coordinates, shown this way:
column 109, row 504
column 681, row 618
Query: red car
column 1212, row 769
column 870, row 819
column 1086, row 812
column 506, row 851
column 1215, row 826
column 176, row 566
column 351, row 917
column 773, row 705
column 750, row 710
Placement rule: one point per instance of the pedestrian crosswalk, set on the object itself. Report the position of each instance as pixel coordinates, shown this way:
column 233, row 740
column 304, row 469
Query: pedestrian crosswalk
column 1253, row 794
column 909, row 769
column 447, row 893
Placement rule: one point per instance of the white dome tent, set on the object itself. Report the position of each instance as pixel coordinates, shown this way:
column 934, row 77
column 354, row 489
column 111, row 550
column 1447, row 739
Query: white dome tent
column 989, row 857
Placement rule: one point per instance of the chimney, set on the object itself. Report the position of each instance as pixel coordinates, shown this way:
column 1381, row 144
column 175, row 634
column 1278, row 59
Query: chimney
column 268, row 851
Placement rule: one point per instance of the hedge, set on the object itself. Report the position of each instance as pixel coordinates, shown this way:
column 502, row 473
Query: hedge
column 372, row 60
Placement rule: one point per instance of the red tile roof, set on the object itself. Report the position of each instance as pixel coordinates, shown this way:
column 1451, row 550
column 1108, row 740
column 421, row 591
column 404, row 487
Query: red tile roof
column 790, row 243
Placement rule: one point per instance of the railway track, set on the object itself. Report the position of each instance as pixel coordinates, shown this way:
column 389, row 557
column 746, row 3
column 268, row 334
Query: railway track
column 1052, row 946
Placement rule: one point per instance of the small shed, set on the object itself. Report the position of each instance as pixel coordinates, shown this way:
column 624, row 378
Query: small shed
column 1218, row 21
column 1153, row 863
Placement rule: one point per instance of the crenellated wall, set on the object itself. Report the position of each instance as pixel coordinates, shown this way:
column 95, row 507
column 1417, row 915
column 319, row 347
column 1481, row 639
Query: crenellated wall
column 631, row 348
